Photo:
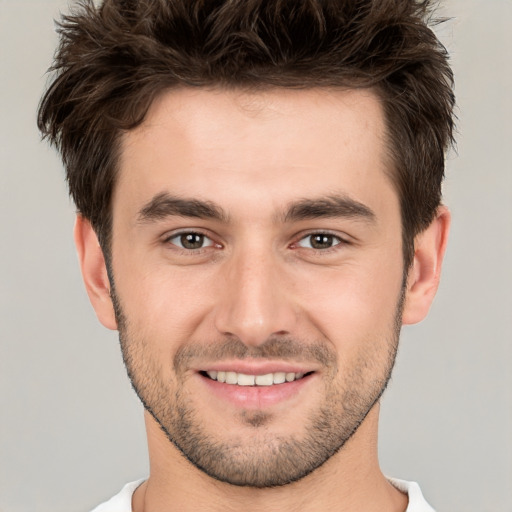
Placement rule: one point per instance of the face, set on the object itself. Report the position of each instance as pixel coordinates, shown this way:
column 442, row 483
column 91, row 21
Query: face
column 257, row 265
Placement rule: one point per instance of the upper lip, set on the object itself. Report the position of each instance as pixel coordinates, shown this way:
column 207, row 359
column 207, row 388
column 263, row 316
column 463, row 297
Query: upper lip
column 257, row 367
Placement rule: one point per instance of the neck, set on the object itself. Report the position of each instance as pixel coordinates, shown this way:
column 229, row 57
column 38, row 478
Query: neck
column 350, row 480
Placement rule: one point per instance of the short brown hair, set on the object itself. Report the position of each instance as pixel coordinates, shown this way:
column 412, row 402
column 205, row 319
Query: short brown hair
column 114, row 60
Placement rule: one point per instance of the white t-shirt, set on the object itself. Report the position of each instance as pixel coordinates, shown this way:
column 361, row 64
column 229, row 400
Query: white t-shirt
column 122, row 502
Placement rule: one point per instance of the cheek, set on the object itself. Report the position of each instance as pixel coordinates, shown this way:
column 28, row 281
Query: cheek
column 164, row 303
column 354, row 303
column 171, row 305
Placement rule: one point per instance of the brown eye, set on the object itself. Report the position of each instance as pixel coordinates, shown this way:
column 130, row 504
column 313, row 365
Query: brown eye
column 319, row 241
column 191, row 241
column 322, row 241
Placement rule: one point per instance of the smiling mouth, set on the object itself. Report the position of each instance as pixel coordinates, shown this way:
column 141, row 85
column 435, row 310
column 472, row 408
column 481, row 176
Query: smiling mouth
column 242, row 379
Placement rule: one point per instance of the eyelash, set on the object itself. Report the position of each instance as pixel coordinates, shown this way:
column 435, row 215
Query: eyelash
column 296, row 245
column 339, row 241
column 169, row 240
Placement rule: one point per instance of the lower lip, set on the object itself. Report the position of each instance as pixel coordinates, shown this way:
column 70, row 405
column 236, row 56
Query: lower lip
column 256, row 397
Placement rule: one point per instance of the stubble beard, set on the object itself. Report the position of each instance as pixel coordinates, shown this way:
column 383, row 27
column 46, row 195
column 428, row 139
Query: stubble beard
column 262, row 459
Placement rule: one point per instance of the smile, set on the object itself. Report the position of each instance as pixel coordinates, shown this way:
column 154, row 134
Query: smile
column 242, row 379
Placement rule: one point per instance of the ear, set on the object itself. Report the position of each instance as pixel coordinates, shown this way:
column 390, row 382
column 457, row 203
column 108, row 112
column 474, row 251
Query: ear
column 424, row 275
column 94, row 272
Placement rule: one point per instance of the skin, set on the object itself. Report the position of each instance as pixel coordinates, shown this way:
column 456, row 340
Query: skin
column 257, row 279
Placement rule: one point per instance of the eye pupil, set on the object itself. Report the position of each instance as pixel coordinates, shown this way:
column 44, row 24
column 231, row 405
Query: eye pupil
column 192, row 240
column 321, row 241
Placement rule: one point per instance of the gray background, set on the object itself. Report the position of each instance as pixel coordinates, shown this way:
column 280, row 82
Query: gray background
column 71, row 429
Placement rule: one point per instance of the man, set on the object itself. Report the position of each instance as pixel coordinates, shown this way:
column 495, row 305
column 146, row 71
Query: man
column 258, row 188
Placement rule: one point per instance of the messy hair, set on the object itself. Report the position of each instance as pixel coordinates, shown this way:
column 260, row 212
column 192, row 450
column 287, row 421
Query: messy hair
column 113, row 60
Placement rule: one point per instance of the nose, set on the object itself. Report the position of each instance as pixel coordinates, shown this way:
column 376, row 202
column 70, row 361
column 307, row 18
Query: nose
column 255, row 302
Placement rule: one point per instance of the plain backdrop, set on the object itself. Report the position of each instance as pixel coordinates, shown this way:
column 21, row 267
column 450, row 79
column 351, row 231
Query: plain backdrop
column 71, row 428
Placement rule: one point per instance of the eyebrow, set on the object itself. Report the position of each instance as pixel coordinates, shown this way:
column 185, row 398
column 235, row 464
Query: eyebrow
column 329, row 207
column 165, row 205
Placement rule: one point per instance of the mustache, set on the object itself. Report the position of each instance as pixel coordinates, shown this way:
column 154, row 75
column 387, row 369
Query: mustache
column 281, row 348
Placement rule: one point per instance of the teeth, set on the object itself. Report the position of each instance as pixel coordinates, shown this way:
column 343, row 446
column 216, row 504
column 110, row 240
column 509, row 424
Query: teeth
column 241, row 379
column 231, row 378
column 265, row 380
column 280, row 377
column 244, row 380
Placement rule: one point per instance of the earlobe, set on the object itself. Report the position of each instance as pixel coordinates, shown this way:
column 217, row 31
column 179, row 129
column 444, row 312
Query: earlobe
column 94, row 272
column 424, row 275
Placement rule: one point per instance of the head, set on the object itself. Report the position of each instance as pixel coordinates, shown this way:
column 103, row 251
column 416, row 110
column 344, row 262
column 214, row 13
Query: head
column 261, row 177
column 115, row 60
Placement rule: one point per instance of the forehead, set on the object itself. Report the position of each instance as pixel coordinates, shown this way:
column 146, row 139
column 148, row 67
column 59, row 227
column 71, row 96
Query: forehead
column 277, row 144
